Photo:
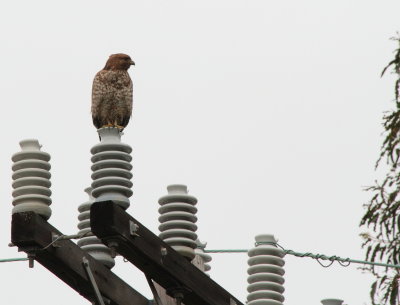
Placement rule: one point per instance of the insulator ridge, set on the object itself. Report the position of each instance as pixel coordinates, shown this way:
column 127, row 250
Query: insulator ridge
column 178, row 220
column 204, row 256
column 265, row 272
column 91, row 244
column 112, row 168
column 332, row 302
column 31, row 179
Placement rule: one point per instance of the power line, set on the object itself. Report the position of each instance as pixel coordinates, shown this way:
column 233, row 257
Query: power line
column 55, row 239
column 16, row 259
column 342, row 261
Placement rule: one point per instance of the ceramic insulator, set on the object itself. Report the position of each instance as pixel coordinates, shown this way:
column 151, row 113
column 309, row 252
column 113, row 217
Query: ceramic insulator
column 178, row 220
column 265, row 272
column 204, row 256
column 332, row 302
column 91, row 244
column 31, row 179
column 111, row 168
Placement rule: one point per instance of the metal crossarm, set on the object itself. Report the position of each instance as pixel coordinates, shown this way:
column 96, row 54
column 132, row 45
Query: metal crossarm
column 33, row 234
column 156, row 259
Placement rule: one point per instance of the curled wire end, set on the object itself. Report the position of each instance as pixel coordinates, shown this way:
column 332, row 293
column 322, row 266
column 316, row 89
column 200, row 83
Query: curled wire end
column 325, row 266
column 318, row 257
column 344, row 263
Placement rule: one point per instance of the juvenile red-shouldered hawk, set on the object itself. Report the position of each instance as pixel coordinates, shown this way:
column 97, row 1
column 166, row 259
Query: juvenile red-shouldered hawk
column 112, row 93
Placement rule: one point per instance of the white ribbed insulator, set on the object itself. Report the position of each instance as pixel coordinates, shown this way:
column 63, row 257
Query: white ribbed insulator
column 332, row 302
column 204, row 256
column 31, row 179
column 265, row 272
column 91, row 244
column 178, row 220
column 112, row 168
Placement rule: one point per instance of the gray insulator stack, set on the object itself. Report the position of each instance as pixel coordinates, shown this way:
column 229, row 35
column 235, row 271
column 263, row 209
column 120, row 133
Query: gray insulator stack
column 204, row 256
column 265, row 272
column 111, row 168
column 178, row 220
column 91, row 244
column 332, row 302
column 31, row 179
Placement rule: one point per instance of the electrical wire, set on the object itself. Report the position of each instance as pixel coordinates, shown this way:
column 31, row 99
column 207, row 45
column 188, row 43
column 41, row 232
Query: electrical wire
column 344, row 262
column 16, row 259
column 60, row 237
column 68, row 237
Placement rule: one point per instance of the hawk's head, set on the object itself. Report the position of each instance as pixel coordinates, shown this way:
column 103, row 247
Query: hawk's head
column 119, row 62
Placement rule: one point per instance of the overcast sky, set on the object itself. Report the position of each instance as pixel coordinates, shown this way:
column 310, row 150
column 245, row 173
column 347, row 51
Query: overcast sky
column 270, row 113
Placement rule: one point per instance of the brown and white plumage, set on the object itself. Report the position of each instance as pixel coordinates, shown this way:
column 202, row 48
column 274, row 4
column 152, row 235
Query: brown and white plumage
column 112, row 93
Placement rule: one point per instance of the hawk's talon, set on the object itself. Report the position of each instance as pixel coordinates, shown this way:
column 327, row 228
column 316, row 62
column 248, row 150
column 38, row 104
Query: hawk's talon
column 115, row 125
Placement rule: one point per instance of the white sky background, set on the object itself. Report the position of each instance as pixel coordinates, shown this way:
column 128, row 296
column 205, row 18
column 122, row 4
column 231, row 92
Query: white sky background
column 270, row 112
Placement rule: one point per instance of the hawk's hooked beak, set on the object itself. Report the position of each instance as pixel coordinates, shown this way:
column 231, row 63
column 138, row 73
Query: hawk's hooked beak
column 132, row 63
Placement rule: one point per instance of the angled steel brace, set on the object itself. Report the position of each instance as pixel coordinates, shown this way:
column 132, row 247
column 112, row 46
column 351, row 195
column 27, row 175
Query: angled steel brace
column 154, row 291
column 86, row 265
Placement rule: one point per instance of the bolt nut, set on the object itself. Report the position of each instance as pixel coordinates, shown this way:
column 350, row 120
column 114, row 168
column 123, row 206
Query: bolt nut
column 113, row 246
column 133, row 228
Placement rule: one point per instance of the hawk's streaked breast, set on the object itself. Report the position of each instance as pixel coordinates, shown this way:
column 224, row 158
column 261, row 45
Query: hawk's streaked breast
column 112, row 93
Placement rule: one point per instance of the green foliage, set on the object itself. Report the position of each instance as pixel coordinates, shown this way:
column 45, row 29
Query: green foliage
column 382, row 214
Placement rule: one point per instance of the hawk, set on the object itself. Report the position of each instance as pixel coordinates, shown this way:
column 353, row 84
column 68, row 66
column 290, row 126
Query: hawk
column 112, row 93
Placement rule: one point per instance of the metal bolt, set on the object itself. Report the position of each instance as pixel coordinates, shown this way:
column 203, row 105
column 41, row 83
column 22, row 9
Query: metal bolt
column 133, row 228
column 31, row 259
column 178, row 297
column 113, row 246
column 54, row 240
